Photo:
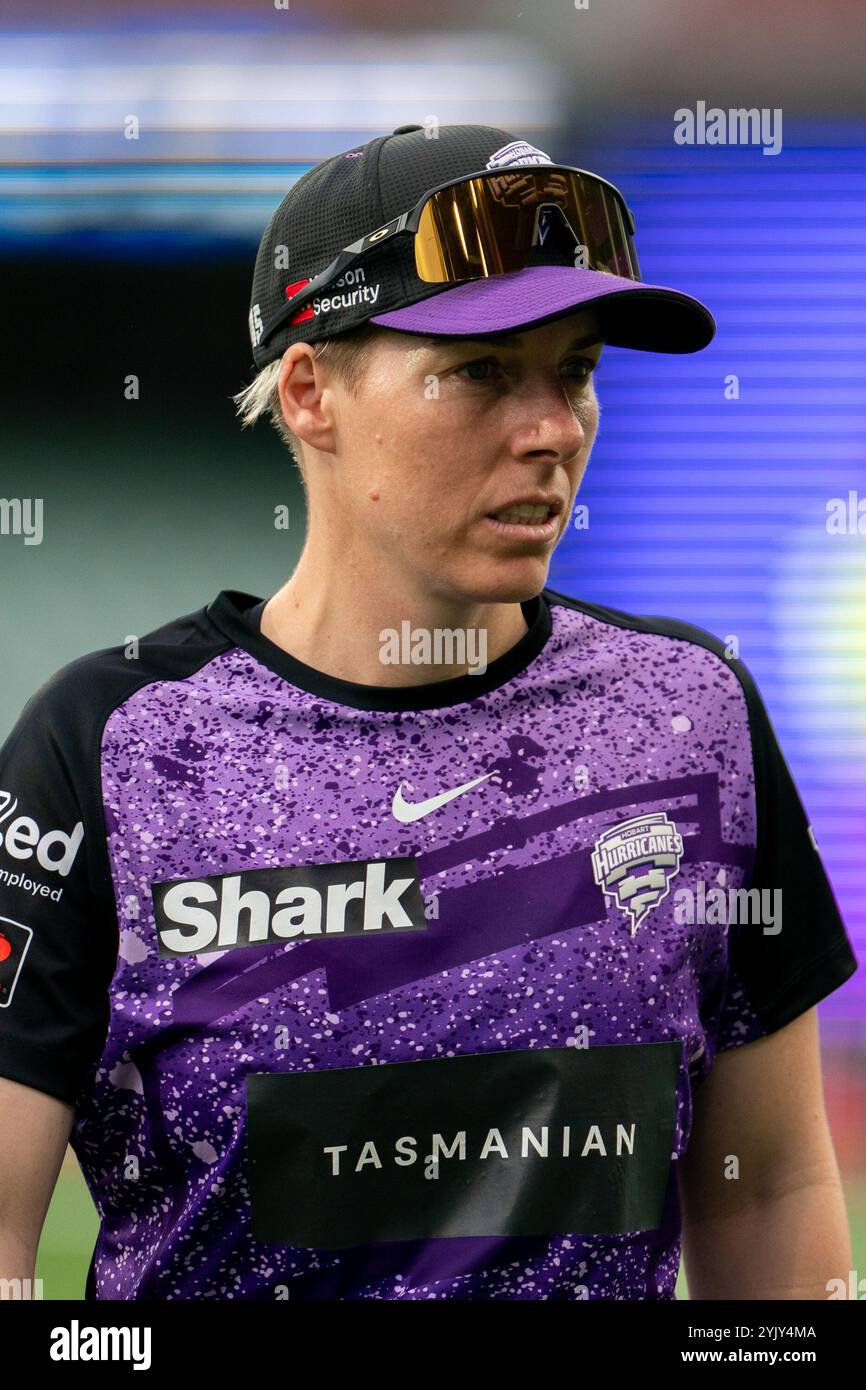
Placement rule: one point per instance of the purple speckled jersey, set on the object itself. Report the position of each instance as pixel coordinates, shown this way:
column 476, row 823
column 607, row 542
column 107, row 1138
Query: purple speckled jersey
column 365, row 992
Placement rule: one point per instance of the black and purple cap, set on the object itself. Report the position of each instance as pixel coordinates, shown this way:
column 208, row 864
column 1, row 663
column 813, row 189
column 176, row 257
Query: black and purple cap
column 352, row 194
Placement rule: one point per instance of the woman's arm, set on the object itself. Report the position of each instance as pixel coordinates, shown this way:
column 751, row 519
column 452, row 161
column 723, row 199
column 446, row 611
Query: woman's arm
column 763, row 1209
column 34, row 1131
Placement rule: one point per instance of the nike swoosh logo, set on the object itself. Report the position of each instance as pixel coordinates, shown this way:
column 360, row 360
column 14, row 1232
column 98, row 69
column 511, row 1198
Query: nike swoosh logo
column 405, row 812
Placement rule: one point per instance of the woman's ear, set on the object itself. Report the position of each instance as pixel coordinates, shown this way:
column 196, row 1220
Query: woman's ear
column 304, row 398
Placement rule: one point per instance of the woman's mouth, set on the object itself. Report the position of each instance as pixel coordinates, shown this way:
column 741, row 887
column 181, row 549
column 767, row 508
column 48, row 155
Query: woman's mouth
column 526, row 521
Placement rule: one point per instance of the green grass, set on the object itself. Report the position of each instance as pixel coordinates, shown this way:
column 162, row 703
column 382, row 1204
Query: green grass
column 71, row 1226
column 68, row 1236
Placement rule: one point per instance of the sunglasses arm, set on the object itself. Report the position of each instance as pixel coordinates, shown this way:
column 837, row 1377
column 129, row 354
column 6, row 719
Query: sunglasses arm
column 347, row 257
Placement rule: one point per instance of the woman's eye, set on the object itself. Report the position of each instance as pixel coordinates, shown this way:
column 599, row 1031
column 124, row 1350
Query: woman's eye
column 577, row 369
column 585, row 365
column 472, row 366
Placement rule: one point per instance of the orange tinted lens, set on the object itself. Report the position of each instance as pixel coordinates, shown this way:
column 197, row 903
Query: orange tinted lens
column 488, row 225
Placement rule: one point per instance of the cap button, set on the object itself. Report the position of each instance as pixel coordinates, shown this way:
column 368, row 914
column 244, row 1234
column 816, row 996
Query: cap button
column 404, row 129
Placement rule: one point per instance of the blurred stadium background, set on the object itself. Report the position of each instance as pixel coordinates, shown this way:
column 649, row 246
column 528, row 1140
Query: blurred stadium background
column 132, row 257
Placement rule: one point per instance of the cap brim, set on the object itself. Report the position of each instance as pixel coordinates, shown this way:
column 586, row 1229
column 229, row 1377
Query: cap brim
column 650, row 318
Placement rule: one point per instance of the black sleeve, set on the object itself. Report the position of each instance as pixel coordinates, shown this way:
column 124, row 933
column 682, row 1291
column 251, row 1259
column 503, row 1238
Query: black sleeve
column 777, row 974
column 58, row 928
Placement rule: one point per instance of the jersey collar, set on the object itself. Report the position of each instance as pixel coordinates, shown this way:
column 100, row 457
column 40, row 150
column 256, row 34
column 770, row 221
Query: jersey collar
column 238, row 614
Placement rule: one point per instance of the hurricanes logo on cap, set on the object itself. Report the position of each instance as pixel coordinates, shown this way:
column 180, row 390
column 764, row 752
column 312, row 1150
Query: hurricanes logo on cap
column 635, row 862
column 518, row 152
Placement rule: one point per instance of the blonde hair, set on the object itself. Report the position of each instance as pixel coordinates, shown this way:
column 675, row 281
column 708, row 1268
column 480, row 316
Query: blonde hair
column 347, row 355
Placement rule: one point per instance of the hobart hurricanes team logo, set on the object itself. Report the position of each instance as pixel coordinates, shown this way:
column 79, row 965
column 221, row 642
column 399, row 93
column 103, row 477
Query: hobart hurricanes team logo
column 635, row 862
column 518, row 152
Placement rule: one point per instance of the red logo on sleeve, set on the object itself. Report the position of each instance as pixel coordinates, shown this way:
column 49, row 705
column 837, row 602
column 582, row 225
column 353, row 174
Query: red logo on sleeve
column 15, row 938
